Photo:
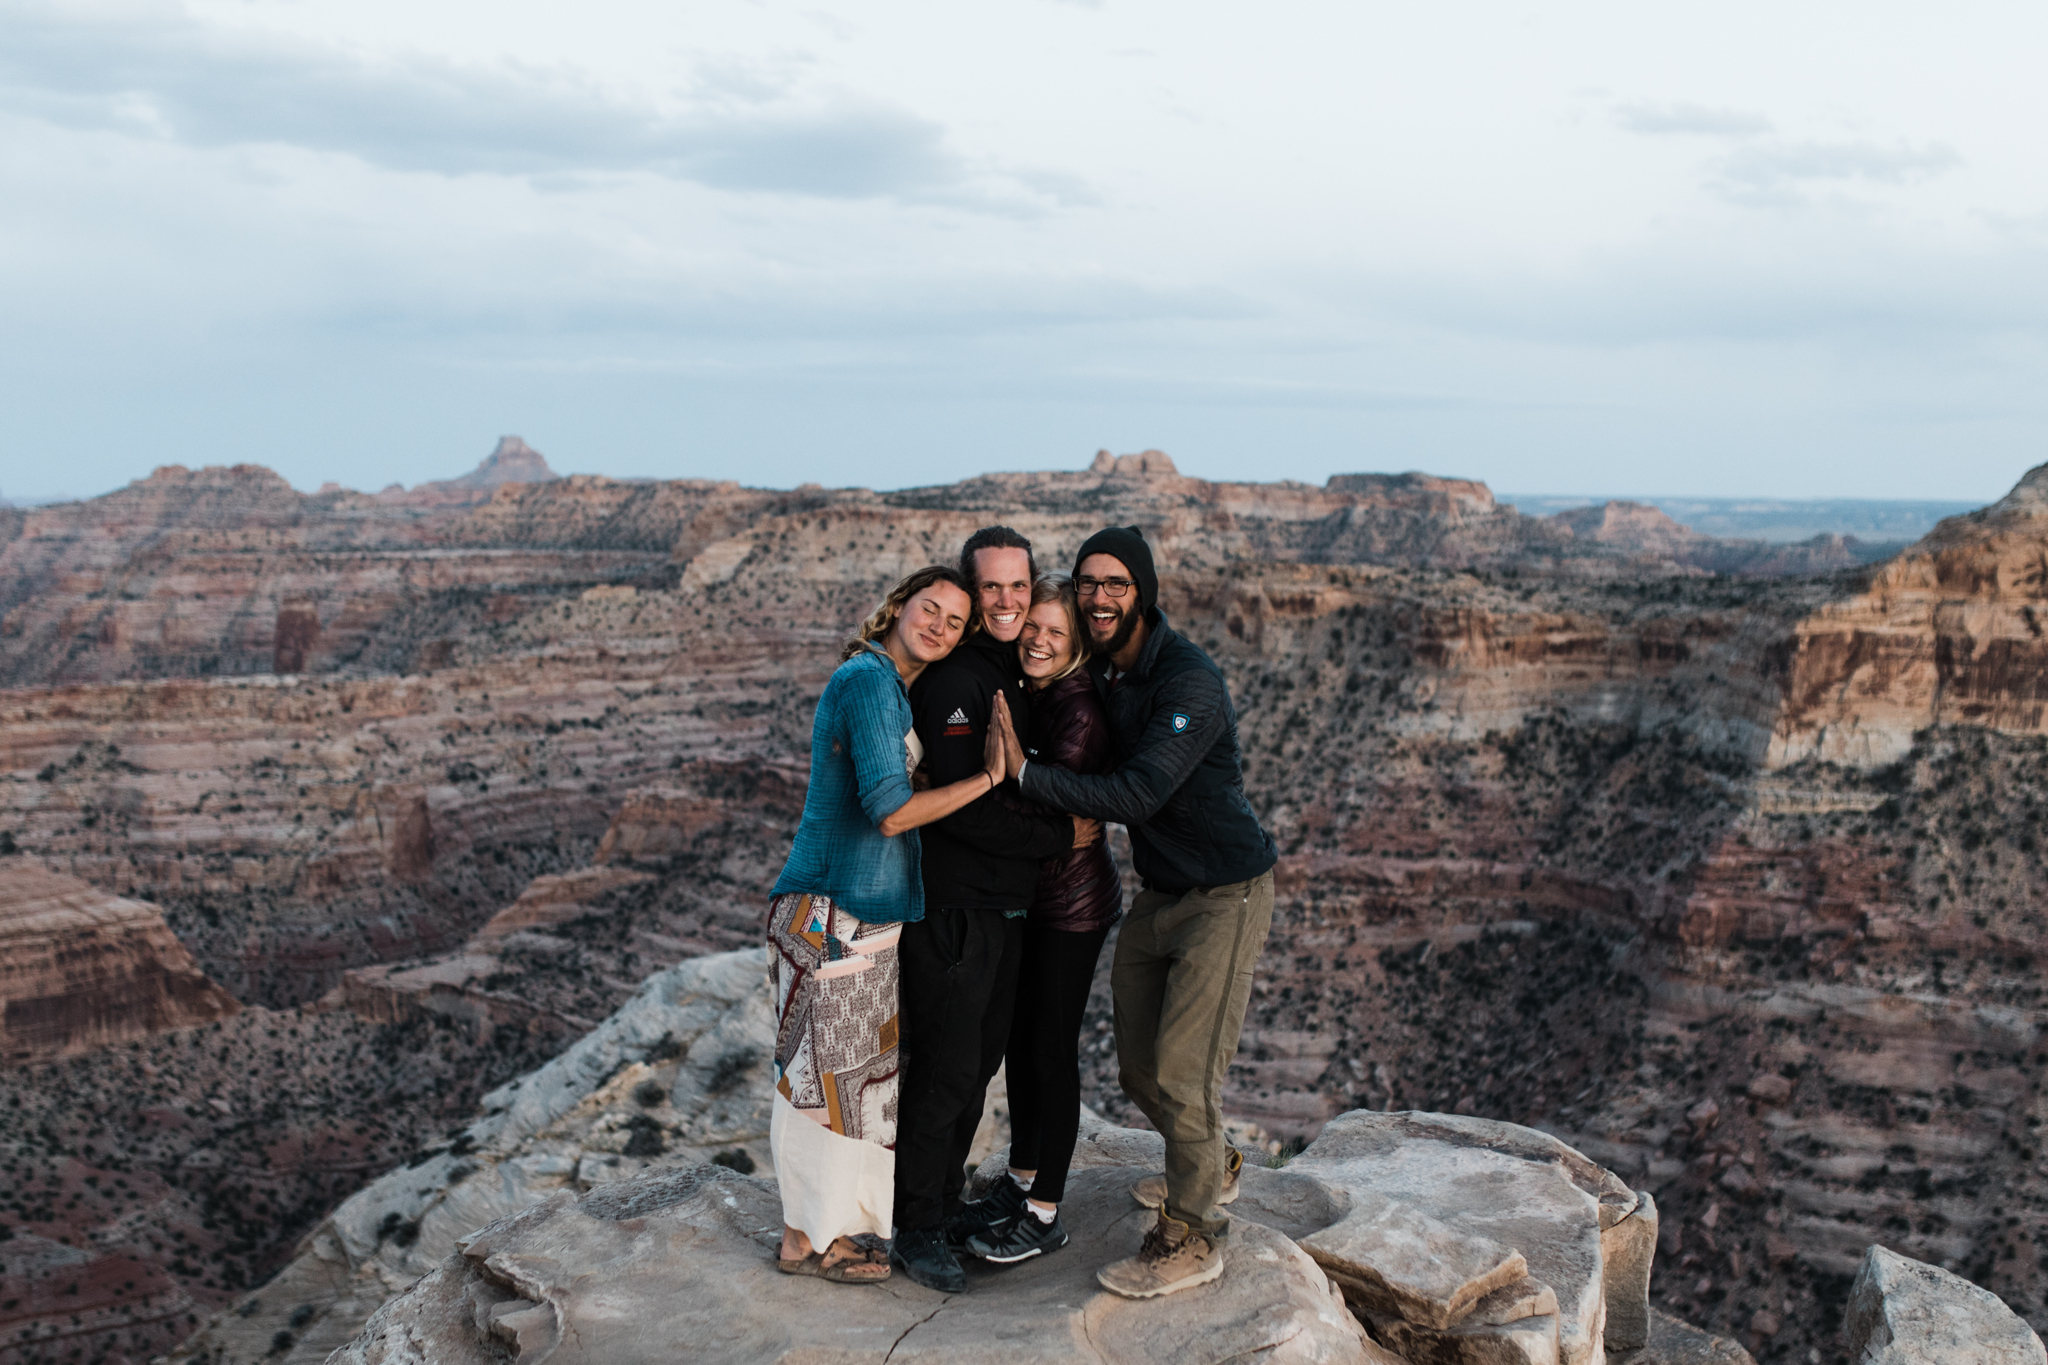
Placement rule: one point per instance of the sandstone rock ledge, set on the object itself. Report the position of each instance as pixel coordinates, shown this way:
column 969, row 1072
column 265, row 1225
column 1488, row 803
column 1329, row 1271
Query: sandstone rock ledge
column 677, row 1263
column 1456, row 1240
column 679, row 1075
column 1903, row 1311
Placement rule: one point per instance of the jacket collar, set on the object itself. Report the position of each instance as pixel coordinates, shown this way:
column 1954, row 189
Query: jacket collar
column 1079, row 678
column 988, row 644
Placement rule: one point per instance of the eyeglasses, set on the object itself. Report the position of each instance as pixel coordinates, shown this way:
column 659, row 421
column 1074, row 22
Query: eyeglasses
column 1108, row 587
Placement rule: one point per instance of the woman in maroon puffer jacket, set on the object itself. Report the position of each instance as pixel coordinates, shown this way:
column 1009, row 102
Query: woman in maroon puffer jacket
column 1079, row 898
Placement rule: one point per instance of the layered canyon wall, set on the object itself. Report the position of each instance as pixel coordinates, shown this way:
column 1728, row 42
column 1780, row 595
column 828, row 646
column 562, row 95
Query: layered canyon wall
column 1949, row 633
column 231, row 572
column 1571, row 835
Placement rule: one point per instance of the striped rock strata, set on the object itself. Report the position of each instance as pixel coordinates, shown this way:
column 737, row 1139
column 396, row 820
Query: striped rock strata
column 82, row 969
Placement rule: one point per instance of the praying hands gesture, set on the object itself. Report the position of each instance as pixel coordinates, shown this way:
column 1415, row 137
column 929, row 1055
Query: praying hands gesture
column 1002, row 734
column 995, row 749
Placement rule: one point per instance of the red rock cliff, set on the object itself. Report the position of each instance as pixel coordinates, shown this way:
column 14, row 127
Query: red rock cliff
column 81, row 969
column 1953, row 632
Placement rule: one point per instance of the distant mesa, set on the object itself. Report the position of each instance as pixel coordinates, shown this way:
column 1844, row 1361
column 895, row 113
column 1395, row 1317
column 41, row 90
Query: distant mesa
column 1646, row 532
column 1882, row 526
column 1414, row 489
column 1631, row 526
column 1149, row 464
column 514, row 461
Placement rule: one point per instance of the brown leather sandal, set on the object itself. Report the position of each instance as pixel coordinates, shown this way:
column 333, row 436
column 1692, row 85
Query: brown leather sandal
column 813, row 1264
column 839, row 1272
column 842, row 1272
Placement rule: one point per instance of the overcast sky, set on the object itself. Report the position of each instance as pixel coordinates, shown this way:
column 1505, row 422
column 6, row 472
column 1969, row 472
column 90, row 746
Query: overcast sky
column 1718, row 249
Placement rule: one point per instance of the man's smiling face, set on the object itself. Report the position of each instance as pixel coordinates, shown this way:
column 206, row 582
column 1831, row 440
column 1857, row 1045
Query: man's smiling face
column 1110, row 620
column 1002, row 582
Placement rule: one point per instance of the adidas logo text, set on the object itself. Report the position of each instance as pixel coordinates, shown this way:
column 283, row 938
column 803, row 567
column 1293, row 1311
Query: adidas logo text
column 959, row 717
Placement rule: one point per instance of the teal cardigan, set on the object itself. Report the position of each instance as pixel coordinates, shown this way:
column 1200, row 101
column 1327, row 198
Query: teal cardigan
column 857, row 778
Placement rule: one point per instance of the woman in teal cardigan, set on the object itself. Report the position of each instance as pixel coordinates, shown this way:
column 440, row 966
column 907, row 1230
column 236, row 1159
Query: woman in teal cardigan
column 852, row 881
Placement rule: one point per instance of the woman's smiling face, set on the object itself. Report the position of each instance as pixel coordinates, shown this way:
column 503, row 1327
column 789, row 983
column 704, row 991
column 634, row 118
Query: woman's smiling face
column 933, row 622
column 1046, row 646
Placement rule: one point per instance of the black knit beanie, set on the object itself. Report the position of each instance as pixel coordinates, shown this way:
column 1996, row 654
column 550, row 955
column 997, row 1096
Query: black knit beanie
column 1127, row 543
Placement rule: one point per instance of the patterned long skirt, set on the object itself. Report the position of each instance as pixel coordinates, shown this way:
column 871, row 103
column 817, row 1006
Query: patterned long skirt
column 837, row 1067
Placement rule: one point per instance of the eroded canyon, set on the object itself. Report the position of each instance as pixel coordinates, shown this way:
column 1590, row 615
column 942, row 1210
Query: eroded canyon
column 1719, row 860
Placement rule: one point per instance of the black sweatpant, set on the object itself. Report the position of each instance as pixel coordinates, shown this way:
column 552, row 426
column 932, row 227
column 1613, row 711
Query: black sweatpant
column 959, row 975
column 1045, row 1053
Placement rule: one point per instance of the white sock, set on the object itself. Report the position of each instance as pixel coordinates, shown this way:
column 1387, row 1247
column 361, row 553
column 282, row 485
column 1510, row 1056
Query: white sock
column 1044, row 1216
column 1023, row 1182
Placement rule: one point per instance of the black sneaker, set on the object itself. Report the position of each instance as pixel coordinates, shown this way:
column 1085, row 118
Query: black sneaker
column 985, row 1214
column 1019, row 1239
column 922, row 1254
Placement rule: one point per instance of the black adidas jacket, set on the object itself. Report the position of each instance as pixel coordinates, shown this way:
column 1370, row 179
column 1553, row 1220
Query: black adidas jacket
column 1178, row 784
column 986, row 855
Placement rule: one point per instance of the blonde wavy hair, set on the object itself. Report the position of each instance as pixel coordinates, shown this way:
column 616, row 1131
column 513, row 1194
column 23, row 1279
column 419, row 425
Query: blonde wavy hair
column 883, row 618
column 1057, row 587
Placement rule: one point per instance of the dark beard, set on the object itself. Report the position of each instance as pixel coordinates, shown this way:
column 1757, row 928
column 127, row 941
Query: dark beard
column 1125, row 628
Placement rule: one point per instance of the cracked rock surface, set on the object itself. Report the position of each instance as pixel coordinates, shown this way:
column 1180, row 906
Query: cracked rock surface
column 577, row 1219
column 677, row 1076
column 1433, row 1228
column 1462, row 1227
column 682, row 1262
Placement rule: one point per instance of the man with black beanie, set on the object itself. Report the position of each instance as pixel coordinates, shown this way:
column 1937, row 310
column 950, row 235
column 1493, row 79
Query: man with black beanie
column 1184, row 956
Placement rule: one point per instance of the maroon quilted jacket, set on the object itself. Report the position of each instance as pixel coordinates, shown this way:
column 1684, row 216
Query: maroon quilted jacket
column 1078, row 890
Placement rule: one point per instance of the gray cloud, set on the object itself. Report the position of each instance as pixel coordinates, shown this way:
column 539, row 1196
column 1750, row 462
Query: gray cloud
column 1779, row 164
column 1665, row 120
column 163, row 75
column 1760, row 167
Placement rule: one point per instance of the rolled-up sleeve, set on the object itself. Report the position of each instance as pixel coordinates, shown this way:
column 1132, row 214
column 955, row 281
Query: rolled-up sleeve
column 872, row 725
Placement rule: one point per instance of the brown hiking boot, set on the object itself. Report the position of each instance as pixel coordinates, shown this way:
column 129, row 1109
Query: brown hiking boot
column 1151, row 1191
column 1173, row 1256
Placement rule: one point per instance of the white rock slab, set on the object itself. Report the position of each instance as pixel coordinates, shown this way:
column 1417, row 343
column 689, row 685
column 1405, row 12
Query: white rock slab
column 1502, row 1201
column 702, row 1032
column 679, row 1264
column 1546, row 1244
column 1627, row 1247
column 1903, row 1311
column 1398, row 1261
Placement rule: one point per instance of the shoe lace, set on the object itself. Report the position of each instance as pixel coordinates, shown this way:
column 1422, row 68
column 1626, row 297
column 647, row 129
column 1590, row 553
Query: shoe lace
column 1160, row 1243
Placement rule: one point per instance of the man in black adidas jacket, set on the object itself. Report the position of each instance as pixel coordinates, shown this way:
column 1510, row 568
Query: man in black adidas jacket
column 959, row 963
column 1185, row 953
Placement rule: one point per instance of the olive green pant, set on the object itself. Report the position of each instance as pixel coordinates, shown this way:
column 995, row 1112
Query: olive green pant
column 1182, row 975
